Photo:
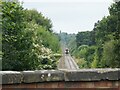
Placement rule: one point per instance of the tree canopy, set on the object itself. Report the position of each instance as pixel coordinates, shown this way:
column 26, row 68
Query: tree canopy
column 100, row 47
column 28, row 41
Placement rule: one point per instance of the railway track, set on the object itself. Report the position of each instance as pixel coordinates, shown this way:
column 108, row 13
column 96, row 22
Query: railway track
column 67, row 62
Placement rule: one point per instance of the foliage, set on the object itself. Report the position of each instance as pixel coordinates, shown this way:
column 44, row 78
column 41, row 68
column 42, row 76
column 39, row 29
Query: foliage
column 109, row 56
column 82, row 63
column 100, row 47
column 107, row 33
column 86, row 54
column 68, row 40
column 85, row 38
column 27, row 41
column 38, row 18
column 11, row 33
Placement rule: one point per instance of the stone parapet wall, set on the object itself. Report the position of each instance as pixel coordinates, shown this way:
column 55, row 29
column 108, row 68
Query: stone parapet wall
column 82, row 78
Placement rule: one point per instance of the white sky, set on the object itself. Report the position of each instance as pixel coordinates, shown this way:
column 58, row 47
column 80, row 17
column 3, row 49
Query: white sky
column 71, row 16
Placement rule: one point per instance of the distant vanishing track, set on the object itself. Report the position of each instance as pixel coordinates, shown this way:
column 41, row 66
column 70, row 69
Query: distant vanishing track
column 67, row 62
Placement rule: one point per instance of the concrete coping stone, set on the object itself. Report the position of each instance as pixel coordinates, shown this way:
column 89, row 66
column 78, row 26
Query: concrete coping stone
column 37, row 76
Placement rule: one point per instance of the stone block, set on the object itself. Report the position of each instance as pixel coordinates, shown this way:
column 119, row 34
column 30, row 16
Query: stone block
column 92, row 74
column 82, row 75
column 42, row 76
column 11, row 77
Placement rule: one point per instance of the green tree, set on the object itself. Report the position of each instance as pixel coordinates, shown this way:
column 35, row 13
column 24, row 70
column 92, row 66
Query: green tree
column 105, row 39
column 28, row 43
column 109, row 56
column 13, row 15
column 85, row 38
column 34, row 15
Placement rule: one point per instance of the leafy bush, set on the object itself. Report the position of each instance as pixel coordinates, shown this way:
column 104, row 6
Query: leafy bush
column 109, row 56
column 103, row 42
column 28, row 42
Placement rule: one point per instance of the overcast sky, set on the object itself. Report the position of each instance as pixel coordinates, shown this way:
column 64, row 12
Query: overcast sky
column 71, row 16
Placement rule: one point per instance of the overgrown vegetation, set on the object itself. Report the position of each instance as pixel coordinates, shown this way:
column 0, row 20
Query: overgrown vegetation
column 100, row 48
column 28, row 42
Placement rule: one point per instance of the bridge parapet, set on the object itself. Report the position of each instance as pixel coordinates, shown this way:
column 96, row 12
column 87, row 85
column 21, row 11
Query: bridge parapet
column 63, row 78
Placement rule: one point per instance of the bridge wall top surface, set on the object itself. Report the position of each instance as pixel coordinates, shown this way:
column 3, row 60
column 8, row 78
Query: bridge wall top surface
column 14, row 77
